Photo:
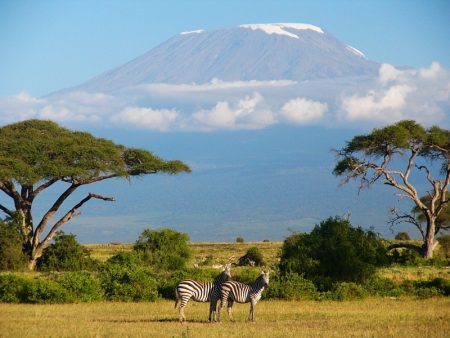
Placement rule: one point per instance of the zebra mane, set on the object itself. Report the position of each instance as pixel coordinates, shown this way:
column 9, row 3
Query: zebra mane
column 223, row 276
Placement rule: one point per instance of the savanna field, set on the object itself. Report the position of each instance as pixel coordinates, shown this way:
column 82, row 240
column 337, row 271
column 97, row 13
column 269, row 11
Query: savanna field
column 402, row 316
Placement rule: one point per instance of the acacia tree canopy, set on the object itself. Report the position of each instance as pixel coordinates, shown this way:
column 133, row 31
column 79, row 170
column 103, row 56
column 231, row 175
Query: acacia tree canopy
column 369, row 158
column 35, row 154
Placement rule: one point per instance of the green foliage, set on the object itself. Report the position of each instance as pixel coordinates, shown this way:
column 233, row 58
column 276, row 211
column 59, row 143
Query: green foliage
column 383, row 287
column 346, row 291
column 291, row 286
column 334, row 251
column 413, row 258
column 65, row 254
column 122, row 283
column 12, row 256
column 33, row 150
column 444, row 242
column 45, row 291
column 252, row 257
column 432, row 143
column 246, row 275
column 12, row 288
column 239, row 239
column 426, row 289
column 126, row 259
column 402, row 236
column 164, row 249
column 82, row 286
column 19, row 289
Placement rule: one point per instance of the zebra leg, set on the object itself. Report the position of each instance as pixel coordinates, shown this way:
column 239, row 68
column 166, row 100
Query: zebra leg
column 212, row 310
column 252, row 310
column 181, row 315
column 229, row 309
column 220, row 308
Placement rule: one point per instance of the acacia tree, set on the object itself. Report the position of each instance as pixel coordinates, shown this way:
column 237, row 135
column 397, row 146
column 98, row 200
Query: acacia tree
column 36, row 154
column 380, row 155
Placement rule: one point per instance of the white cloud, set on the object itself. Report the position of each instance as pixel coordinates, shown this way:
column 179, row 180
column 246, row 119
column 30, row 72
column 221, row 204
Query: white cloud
column 388, row 73
column 245, row 114
column 435, row 71
column 303, row 111
column 383, row 106
column 146, row 118
column 423, row 95
column 19, row 107
column 213, row 85
column 401, row 94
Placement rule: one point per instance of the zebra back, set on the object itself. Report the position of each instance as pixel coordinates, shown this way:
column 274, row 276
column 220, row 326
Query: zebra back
column 244, row 293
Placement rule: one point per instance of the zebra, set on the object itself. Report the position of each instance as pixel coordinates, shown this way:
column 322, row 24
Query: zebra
column 242, row 293
column 201, row 292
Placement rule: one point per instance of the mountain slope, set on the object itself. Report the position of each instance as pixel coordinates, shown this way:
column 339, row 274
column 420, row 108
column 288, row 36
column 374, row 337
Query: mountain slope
column 248, row 52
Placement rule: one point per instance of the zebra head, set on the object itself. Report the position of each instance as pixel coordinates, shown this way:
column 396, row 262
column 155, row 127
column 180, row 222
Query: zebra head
column 224, row 275
column 264, row 278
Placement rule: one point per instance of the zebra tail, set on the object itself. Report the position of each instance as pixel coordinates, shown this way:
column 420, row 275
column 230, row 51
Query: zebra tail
column 176, row 298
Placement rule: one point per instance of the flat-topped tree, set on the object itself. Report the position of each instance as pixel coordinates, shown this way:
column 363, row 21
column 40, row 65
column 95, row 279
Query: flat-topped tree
column 36, row 154
column 391, row 154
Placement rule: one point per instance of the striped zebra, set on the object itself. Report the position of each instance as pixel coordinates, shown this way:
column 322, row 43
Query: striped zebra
column 242, row 293
column 201, row 292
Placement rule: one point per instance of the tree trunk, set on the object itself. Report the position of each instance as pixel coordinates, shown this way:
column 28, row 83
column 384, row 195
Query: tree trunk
column 430, row 242
column 32, row 264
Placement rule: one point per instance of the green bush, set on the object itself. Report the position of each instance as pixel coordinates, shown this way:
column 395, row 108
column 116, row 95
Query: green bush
column 121, row 283
column 165, row 249
column 44, row 291
column 253, row 257
column 383, row 287
column 291, row 286
column 346, row 291
column 12, row 288
column 246, row 275
column 83, row 286
column 334, row 251
column 65, row 254
column 402, row 236
column 128, row 259
column 444, row 243
column 12, row 256
column 413, row 258
column 239, row 239
column 20, row 289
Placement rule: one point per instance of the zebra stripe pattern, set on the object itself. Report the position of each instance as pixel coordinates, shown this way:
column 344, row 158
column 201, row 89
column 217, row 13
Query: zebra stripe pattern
column 233, row 291
column 201, row 292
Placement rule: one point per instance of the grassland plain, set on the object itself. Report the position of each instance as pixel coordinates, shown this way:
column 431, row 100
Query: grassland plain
column 366, row 318
column 219, row 253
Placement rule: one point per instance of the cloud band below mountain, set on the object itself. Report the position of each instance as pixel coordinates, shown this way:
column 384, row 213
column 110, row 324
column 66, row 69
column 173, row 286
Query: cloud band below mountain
column 423, row 95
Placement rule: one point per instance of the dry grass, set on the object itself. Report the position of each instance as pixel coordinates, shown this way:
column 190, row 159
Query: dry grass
column 368, row 318
column 219, row 252
column 402, row 273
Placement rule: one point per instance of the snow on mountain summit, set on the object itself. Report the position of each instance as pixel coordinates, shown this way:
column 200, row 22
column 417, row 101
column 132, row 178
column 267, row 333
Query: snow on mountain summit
column 280, row 28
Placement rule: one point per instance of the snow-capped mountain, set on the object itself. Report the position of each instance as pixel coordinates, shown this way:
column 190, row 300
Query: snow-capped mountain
column 282, row 51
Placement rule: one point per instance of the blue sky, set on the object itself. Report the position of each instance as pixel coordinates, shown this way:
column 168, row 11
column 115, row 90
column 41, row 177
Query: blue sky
column 49, row 45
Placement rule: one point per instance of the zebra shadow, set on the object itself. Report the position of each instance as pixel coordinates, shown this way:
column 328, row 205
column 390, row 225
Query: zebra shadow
column 152, row 320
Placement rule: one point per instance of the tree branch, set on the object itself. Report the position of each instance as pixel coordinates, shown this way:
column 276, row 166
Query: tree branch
column 69, row 215
column 405, row 218
column 44, row 186
column 51, row 212
column 6, row 210
column 406, row 246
